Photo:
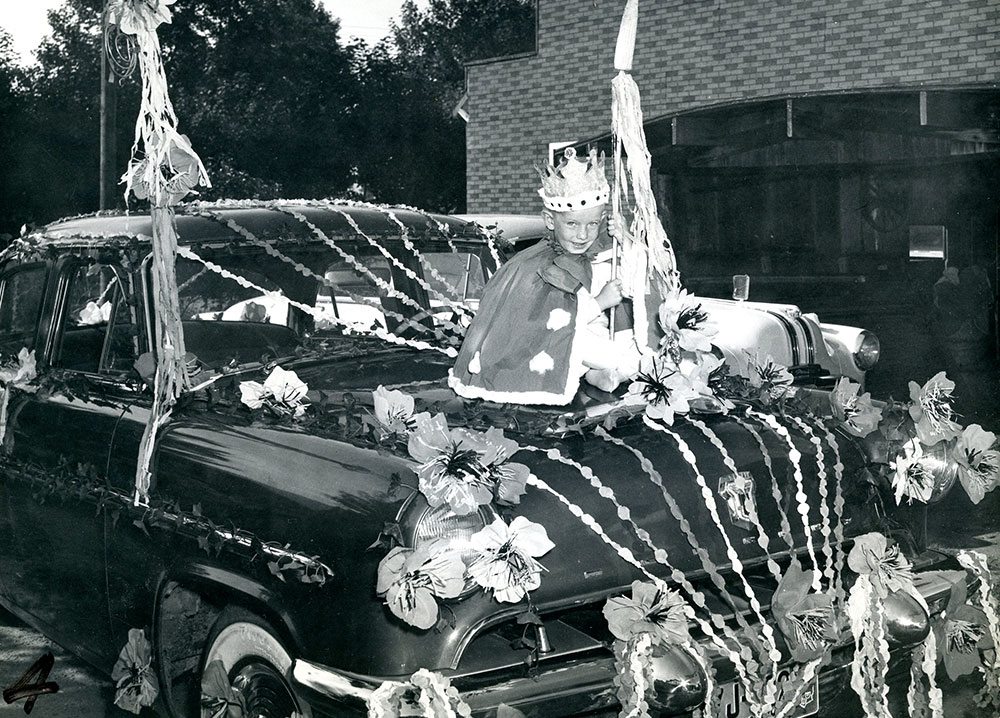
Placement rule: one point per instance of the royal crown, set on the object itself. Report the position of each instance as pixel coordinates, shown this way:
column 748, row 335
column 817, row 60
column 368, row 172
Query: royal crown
column 574, row 184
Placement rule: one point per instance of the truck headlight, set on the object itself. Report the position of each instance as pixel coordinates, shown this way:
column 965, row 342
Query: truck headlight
column 420, row 523
column 868, row 351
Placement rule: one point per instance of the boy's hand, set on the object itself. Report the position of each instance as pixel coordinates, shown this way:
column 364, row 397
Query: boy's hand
column 612, row 226
column 610, row 295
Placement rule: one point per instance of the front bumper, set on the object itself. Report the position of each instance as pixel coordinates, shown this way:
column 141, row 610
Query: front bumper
column 585, row 685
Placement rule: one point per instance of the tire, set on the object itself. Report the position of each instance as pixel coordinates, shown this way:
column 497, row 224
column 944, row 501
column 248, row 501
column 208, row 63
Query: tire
column 257, row 664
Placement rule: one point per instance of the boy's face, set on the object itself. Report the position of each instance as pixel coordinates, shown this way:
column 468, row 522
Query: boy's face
column 576, row 230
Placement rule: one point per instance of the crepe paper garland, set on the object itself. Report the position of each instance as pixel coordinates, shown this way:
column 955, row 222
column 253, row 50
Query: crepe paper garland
column 15, row 376
column 709, row 496
column 786, row 527
column 800, row 495
column 363, row 270
column 706, row 562
column 977, row 564
column 924, row 701
column 382, row 334
column 305, row 271
column 625, row 553
column 762, row 539
column 435, row 698
column 871, row 649
column 661, row 557
column 408, row 271
column 408, row 243
column 838, row 511
column 824, row 494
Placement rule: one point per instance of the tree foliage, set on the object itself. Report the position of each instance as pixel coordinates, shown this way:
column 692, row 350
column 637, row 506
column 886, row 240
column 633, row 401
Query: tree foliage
column 413, row 142
column 272, row 101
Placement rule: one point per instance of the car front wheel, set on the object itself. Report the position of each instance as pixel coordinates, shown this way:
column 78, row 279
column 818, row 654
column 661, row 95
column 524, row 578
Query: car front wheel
column 255, row 665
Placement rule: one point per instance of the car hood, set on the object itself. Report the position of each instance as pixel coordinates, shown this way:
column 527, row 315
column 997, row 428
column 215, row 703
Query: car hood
column 669, row 498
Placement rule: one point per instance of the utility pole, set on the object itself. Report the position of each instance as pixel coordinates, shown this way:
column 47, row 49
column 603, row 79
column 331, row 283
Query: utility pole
column 109, row 112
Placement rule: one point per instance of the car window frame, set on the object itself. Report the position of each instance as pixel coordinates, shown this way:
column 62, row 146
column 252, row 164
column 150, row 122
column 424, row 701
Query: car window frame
column 62, row 277
column 39, row 338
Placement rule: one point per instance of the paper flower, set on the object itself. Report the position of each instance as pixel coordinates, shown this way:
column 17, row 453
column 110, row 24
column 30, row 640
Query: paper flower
column 771, row 380
column 961, row 631
column 393, row 411
column 19, row 374
column 661, row 387
column 135, row 16
column 411, row 579
column 136, row 686
column 978, row 461
column 282, row 392
column 857, row 413
column 178, row 174
column 425, row 694
column 886, row 568
column 931, row 410
column 510, row 477
column 662, row 613
column 451, row 470
column 504, row 560
column 807, row 620
column 911, row 477
column 685, row 325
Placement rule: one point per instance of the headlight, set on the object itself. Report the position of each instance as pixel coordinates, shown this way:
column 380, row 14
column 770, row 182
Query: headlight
column 868, row 351
column 943, row 469
column 419, row 523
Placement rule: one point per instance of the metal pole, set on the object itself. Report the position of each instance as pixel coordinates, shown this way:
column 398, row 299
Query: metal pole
column 109, row 112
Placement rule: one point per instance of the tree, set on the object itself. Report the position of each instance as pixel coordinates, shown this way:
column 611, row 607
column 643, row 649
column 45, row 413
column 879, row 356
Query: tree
column 267, row 93
column 11, row 111
column 411, row 143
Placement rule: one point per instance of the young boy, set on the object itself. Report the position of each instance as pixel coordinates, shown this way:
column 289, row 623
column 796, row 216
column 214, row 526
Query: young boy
column 541, row 324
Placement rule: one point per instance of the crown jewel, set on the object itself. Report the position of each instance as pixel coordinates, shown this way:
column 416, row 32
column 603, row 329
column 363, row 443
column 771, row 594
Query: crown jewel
column 574, row 184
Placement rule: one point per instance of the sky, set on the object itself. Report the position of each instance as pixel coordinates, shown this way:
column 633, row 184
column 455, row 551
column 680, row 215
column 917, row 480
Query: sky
column 26, row 20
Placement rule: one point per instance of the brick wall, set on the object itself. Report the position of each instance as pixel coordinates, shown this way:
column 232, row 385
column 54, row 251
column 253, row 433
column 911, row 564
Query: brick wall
column 697, row 53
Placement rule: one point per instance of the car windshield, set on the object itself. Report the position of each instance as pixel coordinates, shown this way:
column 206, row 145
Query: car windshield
column 239, row 303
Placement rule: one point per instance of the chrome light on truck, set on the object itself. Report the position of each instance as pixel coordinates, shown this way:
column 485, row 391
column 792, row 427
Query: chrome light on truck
column 867, row 354
column 420, row 523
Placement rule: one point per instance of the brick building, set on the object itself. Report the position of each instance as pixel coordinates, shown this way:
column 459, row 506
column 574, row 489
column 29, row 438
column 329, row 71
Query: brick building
column 796, row 137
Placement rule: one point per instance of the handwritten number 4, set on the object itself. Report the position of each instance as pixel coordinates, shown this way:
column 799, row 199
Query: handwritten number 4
column 23, row 689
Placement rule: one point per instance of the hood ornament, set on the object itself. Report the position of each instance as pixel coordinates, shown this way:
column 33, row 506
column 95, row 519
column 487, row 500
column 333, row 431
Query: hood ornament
column 738, row 491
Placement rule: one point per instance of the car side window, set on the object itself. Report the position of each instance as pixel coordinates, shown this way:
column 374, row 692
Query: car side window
column 21, row 294
column 97, row 330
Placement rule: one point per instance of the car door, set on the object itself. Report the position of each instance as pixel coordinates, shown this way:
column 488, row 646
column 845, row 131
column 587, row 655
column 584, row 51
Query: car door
column 60, row 502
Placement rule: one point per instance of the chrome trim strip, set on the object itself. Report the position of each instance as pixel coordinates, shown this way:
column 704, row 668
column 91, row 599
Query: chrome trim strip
column 810, row 342
column 790, row 331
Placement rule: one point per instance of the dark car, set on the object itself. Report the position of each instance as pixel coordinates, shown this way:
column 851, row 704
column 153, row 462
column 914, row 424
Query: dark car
column 259, row 542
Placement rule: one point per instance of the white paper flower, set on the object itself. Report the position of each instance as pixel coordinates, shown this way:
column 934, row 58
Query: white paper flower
column 22, row 373
column 661, row 387
column 685, row 324
column 505, row 558
column 282, row 392
column 857, row 413
column 393, row 410
column 411, row 579
column 978, row 461
column 931, row 409
column 451, row 470
column 774, row 380
column 911, row 476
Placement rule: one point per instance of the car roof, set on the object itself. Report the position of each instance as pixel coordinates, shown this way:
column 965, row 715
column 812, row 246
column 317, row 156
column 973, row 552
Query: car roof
column 514, row 228
column 201, row 222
